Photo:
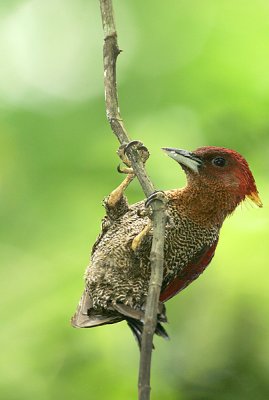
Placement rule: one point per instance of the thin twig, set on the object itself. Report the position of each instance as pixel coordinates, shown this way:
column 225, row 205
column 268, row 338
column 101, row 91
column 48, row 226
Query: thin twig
column 110, row 54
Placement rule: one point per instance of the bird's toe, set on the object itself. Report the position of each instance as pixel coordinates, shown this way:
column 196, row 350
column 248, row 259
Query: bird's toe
column 157, row 195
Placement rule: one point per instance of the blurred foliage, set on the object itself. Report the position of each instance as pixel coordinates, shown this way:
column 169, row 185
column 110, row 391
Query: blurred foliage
column 191, row 74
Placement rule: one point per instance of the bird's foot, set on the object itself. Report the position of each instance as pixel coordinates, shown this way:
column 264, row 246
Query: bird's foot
column 113, row 199
column 157, row 195
column 138, row 238
column 122, row 153
column 117, row 194
column 137, row 145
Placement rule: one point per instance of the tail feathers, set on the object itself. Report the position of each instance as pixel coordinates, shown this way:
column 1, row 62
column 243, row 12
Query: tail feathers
column 160, row 331
column 137, row 330
column 87, row 317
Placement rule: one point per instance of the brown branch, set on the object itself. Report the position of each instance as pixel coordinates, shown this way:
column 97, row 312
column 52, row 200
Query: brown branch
column 110, row 54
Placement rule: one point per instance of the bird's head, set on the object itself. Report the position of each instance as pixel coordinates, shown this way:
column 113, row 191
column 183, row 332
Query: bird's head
column 221, row 169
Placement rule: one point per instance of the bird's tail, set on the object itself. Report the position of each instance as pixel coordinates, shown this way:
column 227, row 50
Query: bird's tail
column 88, row 317
column 137, row 326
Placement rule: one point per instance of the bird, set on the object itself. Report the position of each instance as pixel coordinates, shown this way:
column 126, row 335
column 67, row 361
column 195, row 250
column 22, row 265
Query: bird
column 117, row 278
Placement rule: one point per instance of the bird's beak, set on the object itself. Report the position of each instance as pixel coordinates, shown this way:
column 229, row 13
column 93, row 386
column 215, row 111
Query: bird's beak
column 184, row 158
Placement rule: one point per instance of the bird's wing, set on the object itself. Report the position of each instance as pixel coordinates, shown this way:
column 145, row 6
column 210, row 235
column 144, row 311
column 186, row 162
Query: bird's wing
column 190, row 273
column 87, row 317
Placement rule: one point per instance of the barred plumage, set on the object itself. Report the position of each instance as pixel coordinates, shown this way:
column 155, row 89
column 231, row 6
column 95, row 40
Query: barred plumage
column 118, row 275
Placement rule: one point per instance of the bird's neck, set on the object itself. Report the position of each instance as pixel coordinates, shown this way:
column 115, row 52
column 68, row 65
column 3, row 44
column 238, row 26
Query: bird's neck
column 205, row 206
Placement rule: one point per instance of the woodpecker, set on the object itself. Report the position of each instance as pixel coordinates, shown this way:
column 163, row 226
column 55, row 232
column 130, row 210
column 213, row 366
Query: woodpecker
column 117, row 278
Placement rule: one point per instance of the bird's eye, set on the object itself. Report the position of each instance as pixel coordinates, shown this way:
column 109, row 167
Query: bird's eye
column 219, row 161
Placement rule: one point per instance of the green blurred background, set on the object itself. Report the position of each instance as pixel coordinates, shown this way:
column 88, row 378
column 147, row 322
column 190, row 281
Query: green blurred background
column 192, row 73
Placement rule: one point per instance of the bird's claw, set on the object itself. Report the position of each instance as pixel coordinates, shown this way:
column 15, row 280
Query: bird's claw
column 123, row 156
column 133, row 143
column 137, row 145
column 124, row 170
column 157, row 195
